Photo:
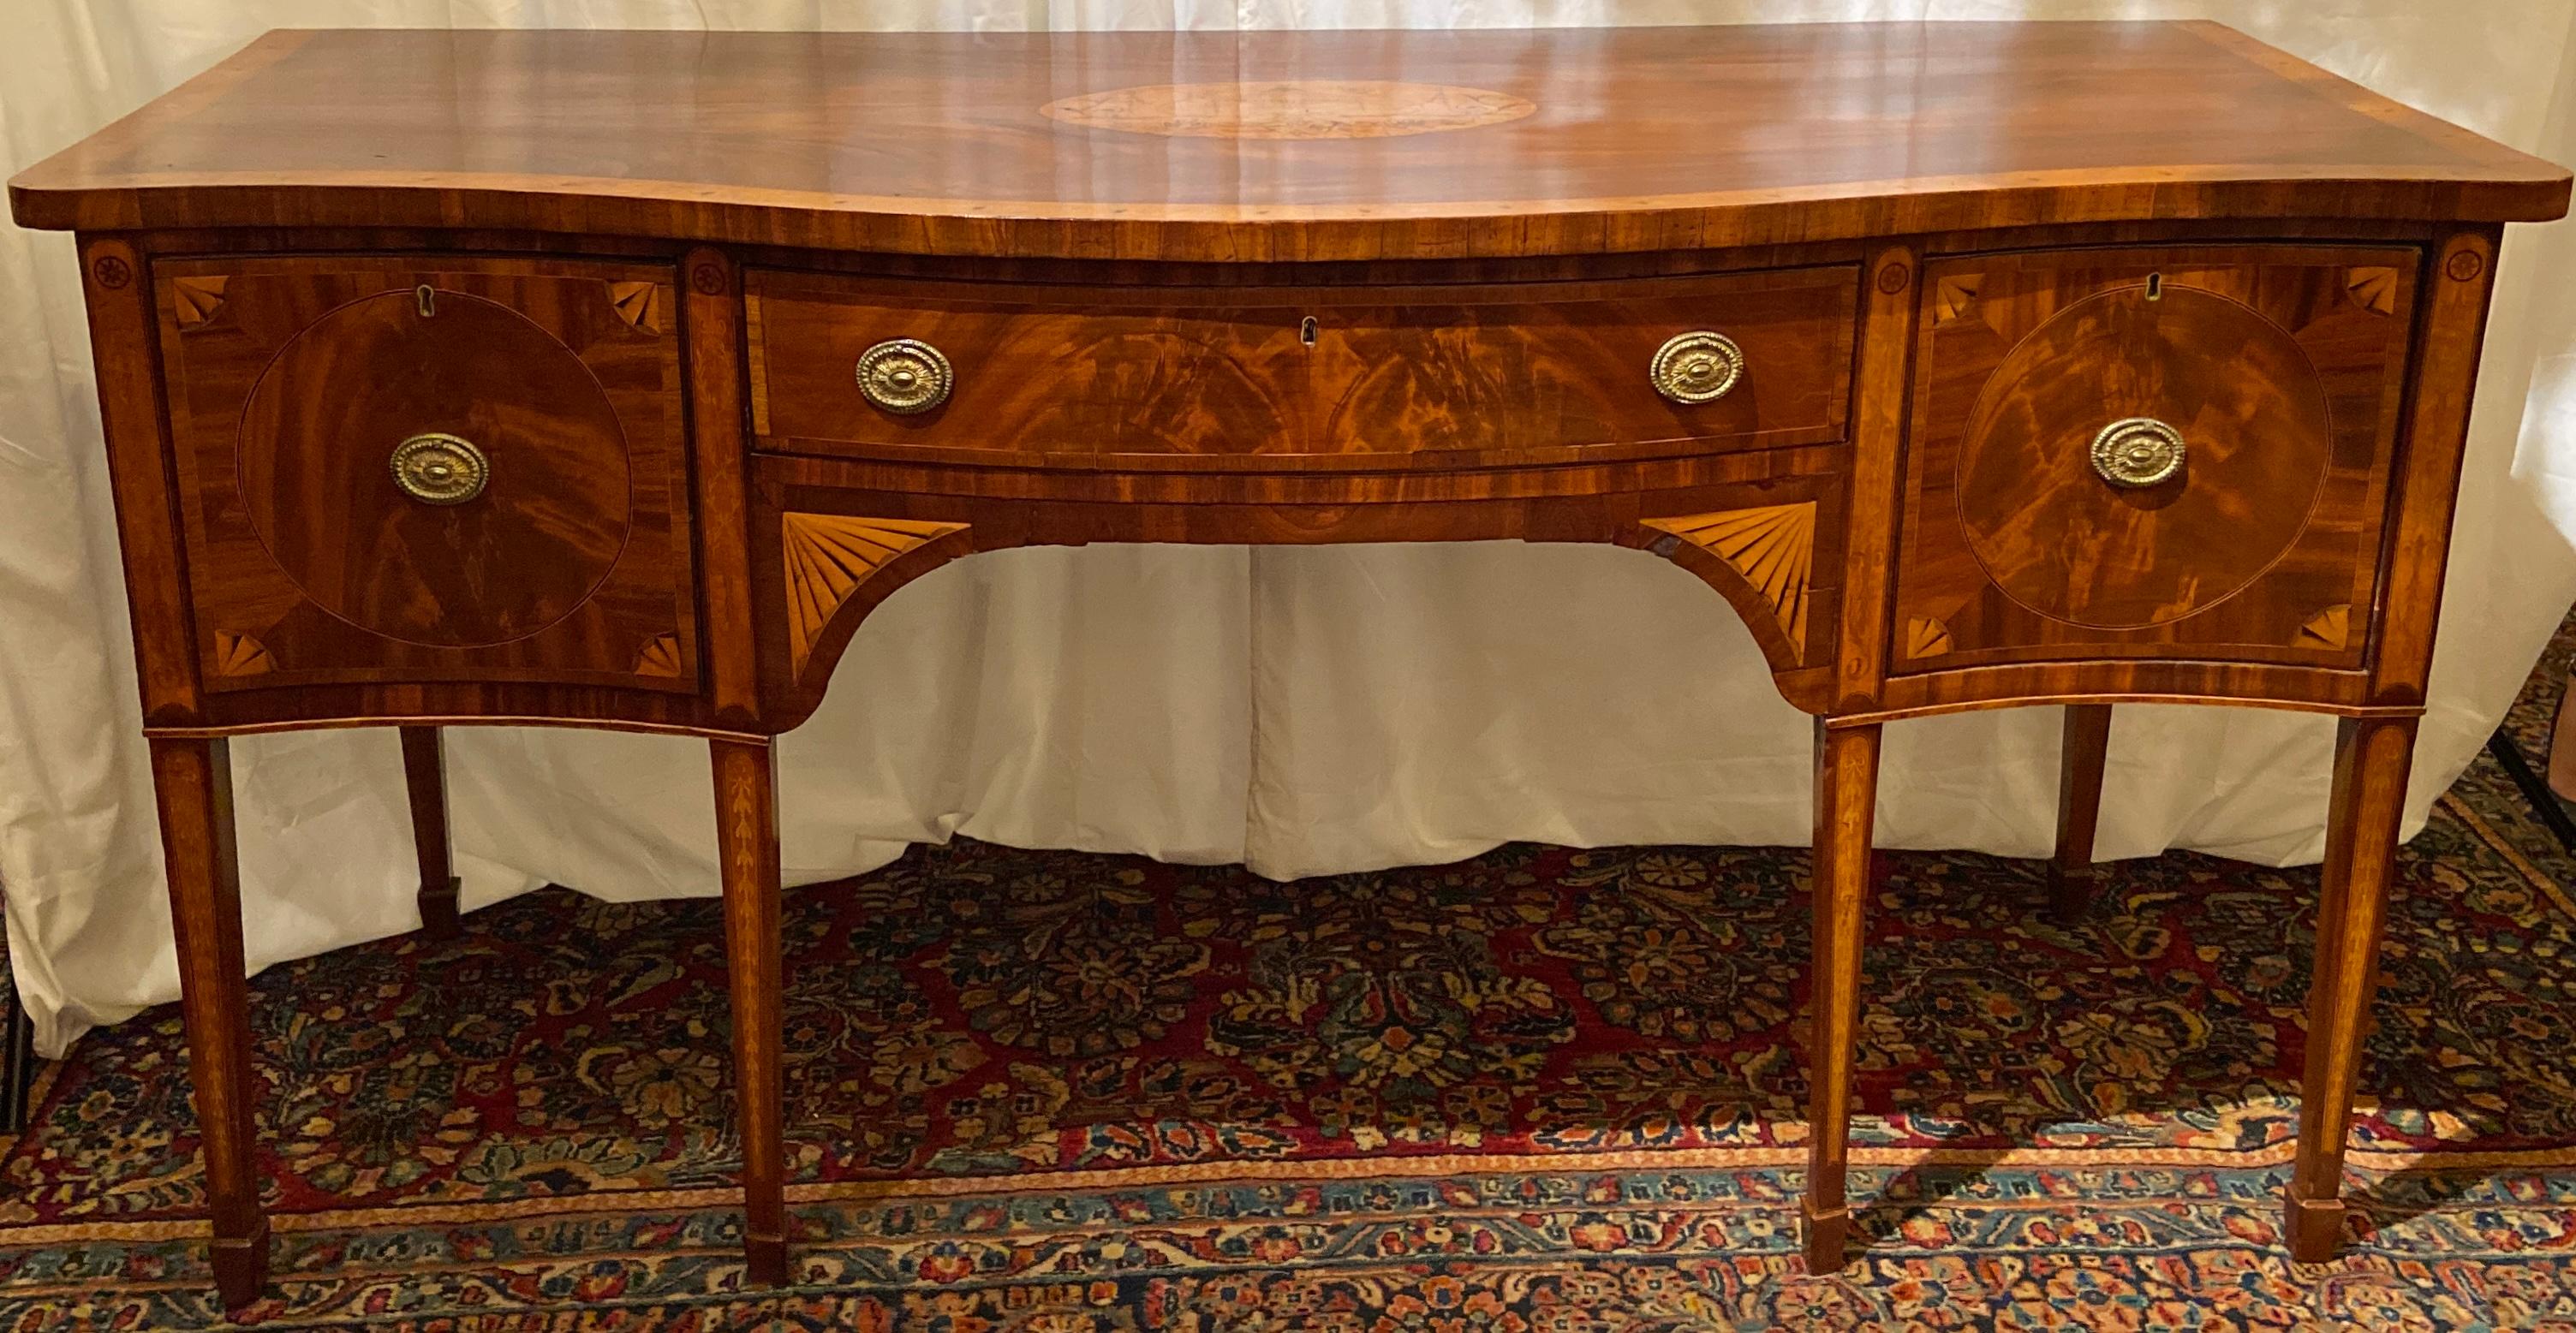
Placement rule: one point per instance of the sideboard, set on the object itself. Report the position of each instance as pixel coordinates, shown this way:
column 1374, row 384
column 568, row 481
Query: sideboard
column 612, row 379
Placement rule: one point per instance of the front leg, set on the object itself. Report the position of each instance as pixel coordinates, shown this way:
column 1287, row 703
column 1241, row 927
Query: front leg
column 1846, row 797
column 193, row 785
column 747, row 852
column 2372, row 758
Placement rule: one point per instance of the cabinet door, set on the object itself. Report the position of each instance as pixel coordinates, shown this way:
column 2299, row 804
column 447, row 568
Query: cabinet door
column 2179, row 453
column 412, row 468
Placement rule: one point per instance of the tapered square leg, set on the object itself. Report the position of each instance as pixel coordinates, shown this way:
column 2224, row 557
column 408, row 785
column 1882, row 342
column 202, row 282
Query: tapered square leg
column 2372, row 758
column 1846, row 801
column 2313, row 1228
column 2072, row 878
column 1823, row 1237
column 192, row 784
column 747, row 850
column 425, row 779
column 241, row 1266
column 17, row 1069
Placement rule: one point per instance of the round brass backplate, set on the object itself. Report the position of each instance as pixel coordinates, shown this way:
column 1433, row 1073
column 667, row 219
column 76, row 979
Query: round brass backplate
column 904, row 376
column 440, row 469
column 1697, row 367
column 2137, row 452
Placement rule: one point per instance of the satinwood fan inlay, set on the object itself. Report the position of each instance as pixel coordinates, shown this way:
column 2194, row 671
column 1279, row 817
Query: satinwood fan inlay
column 829, row 556
column 2373, row 289
column 194, row 300
column 2329, row 629
column 1773, row 547
column 639, row 304
column 238, row 654
column 1953, row 297
column 660, row 656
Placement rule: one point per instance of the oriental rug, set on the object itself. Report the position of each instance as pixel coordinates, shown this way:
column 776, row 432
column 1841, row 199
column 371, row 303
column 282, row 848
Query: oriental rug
column 1545, row 1089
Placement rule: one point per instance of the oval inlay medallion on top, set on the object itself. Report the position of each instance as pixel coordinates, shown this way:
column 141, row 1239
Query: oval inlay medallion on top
column 1290, row 109
column 2060, row 540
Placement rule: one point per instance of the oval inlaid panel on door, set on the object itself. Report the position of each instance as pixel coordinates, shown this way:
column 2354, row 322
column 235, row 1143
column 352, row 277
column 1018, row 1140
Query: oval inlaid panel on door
column 431, row 468
column 2155, row 452
column 2059, row 538
column 549, row 510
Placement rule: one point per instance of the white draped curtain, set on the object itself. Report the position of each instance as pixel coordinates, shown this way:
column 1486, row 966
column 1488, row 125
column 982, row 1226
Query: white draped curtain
column 1304, row 710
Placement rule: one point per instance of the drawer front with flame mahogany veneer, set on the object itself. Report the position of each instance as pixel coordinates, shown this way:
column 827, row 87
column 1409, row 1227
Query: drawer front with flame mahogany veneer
column 614, row 379
column 1359, row 377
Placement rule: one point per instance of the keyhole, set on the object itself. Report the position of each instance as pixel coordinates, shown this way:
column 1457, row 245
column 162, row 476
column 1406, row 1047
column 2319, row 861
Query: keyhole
column 2155, row 286
column 426, row 299
column 1306, row 331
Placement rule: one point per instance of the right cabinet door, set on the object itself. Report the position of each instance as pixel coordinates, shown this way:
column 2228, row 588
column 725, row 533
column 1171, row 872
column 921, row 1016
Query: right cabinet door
column 2168, row 452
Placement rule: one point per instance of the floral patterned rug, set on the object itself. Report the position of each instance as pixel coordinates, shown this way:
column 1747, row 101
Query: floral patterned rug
column 1543, row 1089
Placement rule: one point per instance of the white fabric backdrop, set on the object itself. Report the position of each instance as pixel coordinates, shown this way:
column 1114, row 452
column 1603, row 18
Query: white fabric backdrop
column 1306, row 711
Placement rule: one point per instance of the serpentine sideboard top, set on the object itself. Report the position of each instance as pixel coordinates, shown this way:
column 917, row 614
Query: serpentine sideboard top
column 1276, row 145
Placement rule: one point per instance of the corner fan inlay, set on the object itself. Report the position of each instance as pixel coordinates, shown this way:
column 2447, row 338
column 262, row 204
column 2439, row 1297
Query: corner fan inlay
column 238, row 654
column 660, row 656
column 829, row 556
column 194, row 300
column 638, row 303
column 1954, row 295
column 2373, row 289
column 1774, row 548
column 2330, row 628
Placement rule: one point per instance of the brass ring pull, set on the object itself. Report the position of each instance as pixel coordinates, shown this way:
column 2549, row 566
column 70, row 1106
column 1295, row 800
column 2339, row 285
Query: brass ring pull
column 2138, row 452
column 440, row 469
column 905, row 376
column 1697, row 367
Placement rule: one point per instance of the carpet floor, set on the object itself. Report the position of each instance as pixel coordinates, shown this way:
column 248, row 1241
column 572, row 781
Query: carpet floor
column 1545, row 1089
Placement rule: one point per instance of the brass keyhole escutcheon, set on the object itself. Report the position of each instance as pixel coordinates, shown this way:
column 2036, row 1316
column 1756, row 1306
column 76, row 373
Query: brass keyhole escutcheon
column 904, row 376
column 2137, row 452
column 440, row 469
column 1697, row 367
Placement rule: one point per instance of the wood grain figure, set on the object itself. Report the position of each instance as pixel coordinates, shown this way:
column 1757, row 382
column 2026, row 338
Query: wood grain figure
column 1846, row 801
column 1970, row 365
column 747, row 853
column 193, row 779
column 1773, row 547
column 2371, row 760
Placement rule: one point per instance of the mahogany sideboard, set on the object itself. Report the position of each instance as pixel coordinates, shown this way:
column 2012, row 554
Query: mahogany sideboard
column 612, row 379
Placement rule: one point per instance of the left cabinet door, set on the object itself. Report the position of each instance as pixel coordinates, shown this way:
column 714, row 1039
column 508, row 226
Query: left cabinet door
column 412, row 468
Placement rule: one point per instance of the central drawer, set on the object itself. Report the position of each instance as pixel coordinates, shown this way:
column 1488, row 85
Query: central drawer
column 1250, row 377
